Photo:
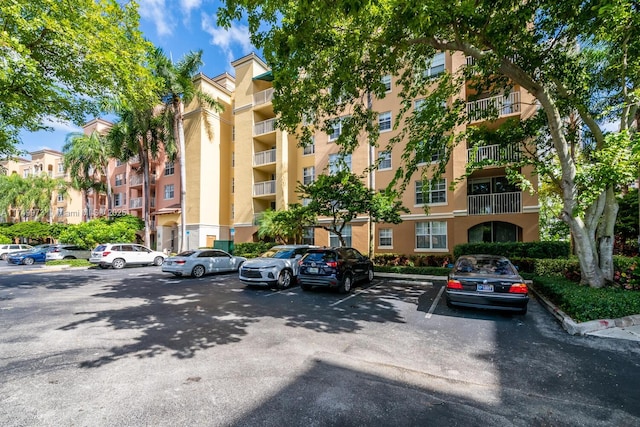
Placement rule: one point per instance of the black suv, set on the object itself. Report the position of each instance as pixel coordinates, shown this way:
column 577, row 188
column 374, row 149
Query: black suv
column 334, row 268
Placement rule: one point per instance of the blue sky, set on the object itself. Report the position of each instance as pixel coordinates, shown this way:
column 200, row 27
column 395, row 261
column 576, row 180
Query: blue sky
column 177, row 26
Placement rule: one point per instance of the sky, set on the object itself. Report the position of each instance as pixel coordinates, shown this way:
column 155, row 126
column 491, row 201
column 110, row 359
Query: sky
column 177, row 26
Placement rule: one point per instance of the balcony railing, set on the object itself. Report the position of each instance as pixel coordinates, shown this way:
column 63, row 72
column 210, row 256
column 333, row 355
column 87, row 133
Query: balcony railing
column 496, row 203
column 265, row 126
column 264, row 188
column 263, row 97
column 500, row 105
column 493, row 152
column 264, row 157
column 136, row 180
column 135, row 203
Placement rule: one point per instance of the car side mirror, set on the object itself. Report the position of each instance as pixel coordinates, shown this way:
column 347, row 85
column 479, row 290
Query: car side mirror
column 298, row 256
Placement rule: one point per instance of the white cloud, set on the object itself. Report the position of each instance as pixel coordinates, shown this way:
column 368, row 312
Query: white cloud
column 158, row 12
column 61, row 126
column 237, row 35
column 188, row 5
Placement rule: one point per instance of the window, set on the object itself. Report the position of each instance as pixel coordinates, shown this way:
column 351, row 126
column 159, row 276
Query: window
column 305, row 202
column 119, row 199
column 169, row 168
column 385, row 237
column 60, row 212
column 436, row 192
column 431, row 235
column 61, row 167
column 308, row 236
column 435, row 65
column 26, row 172
column 346, row 235
column 336, row 126
column 310, row 149
column 60, row 198
column 308, row 175
column 425, row 153
column 384, row 158
column 386, row 81
column 339, row 162
column 168, row 191
column 118, row 162
column 384, row 121
column 119, row 179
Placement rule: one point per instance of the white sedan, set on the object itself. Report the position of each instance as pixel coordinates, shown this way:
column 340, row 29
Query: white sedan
column 199, row 262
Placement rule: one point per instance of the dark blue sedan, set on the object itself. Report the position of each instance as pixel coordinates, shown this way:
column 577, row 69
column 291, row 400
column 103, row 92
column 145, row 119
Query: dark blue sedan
column 28, row 257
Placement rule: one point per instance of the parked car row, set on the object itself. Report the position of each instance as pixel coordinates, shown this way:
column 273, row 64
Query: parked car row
column 28, row 254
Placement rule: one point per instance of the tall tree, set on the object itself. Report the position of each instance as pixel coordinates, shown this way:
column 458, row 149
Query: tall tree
column 61, row 61
column 12, row 195
column 139, row 133
column 39, row 195
column 574, row 57
column 177, row 92
column 86, row 159
column 287, row 225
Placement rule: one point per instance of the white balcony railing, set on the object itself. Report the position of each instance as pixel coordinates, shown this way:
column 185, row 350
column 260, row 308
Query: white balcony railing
column 134, row 159
column 264, row 188
column 265, row 126
column 264, row 157
column 500, row 105
column 135, row 180
column 135, row 203
column 263, row 97
column 493, row 152
column 496, row 203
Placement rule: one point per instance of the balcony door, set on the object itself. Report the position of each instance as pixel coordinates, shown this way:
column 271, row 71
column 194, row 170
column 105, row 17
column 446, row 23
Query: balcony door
column 494, row 231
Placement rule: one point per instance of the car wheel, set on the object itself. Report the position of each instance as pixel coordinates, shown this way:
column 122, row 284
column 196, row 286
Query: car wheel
column 158, row 260
column 370, row 275
column 305, row 287
column 3, row 257
column 345, row 286
column 118, row 263
column 284, row 279
column 198, row 271
column 28, row 261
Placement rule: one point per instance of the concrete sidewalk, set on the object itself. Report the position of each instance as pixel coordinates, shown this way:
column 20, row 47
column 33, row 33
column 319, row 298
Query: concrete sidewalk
column 627, row 328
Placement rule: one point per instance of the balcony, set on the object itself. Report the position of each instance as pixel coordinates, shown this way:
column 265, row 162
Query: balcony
column 137, row 180
column 495, row 203
column 487, row 107
column 135, row 203
column 264, row 157
column 493, row 152
column 265, row 188
column 263, row 97
column 134, row 160
column 265, row 126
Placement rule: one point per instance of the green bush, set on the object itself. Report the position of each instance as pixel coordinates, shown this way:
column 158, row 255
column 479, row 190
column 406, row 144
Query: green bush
column 583, row 303
column 412, row 260
column 4, row 239
column 566, row 268
column 251, row 249
column 516, row 249
column 428, row 271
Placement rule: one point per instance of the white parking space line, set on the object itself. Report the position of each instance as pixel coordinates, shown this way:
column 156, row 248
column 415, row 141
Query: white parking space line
column 352, row 295
column 434, row 305
column 289, row 291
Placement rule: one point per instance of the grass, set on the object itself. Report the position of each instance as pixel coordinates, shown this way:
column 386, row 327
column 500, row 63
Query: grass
column 71, row 262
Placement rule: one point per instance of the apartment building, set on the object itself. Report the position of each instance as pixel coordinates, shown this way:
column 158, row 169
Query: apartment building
column 484, row 207
column 65, row 208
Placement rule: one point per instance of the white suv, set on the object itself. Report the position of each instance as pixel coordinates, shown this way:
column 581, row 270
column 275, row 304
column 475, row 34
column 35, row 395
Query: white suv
column 5, row 250
column 276, row 267
column 117, row 255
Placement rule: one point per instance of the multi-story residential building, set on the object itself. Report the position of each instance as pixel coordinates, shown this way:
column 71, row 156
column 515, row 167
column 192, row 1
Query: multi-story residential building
column 64, row 208
column 269, row 163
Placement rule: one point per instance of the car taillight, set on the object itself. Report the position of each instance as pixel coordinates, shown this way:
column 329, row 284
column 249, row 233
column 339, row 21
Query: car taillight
column 454, row 284
column 332, row 264
column 105, row 253
column 180, row 262
column 518, row 288
column 56, row 250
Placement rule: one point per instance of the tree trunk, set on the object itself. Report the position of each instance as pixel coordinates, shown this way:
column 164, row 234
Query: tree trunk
column 183, row 175
column 606, row 234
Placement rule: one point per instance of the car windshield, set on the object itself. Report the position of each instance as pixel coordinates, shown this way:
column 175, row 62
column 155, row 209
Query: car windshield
column 498, row 266
column 186, row 253
column 100, row 248
column 321, row 256
column 278, row 253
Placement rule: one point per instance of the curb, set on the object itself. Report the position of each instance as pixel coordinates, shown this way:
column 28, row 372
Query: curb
column 583, row 328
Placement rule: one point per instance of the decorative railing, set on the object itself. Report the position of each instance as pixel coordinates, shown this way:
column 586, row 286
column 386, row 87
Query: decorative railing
column 265, row 126
column 263, row 97
column 135, row 203
column 500, row 105
column 264, row 188
column 493, row 152
column 496, row 203
column 264, row 157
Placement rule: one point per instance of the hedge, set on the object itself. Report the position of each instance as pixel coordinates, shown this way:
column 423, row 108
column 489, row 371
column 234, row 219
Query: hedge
column 516, row 249
column 251, row 249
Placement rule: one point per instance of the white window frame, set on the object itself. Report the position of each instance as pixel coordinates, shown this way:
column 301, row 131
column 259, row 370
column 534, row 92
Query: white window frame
column 436, row 65
column 430, row 232
column 386, row 81
column 169, row 168
column 385, row 160
column 308, row 235
column 308, row 175
column 385, row 238
column 428, row 194
column 384, row 121
column 335, row 165
column 310, row 149
column 119, row 199
column 119, row 180
column 169, row 190
column 346, row 235
column 60, row 167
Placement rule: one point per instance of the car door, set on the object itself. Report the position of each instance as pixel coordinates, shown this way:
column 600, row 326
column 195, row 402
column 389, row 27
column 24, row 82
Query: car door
column 206, row 258
column 222, row 261
column 357, row 262
column 129, row 254
column 144, row 255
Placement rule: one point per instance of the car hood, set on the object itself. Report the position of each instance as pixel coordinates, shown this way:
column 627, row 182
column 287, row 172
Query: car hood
column 266, row 262
column 18, row 253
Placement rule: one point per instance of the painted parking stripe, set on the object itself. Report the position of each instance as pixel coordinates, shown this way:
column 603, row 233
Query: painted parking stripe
column 354, row 295
column 434, row 305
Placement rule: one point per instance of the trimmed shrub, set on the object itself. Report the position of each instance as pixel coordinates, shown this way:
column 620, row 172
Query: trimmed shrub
column 4, row 239
column 413, row 260
column 516, row 249
column 251, row 249
column 429, row 271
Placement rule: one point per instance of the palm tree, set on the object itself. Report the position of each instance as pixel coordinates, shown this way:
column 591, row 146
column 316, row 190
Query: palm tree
column 39, row 195
column 139, row 133
column 12, row 190
column 86, row 158
column 178, row 91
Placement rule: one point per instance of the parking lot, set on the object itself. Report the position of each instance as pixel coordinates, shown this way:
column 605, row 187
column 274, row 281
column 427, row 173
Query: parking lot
column 90, row 347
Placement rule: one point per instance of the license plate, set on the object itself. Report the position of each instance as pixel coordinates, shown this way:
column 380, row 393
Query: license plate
column 168, row 262
column 313, row 270
column 484, row 288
